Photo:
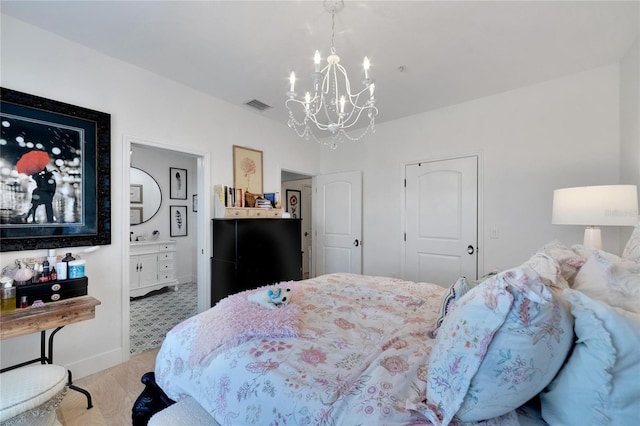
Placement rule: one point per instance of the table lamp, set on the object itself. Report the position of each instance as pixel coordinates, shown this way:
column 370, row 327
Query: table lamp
column 593, row 206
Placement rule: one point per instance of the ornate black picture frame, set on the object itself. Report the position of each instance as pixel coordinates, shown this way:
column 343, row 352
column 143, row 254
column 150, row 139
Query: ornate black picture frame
column 58, row 189
column 293, row 202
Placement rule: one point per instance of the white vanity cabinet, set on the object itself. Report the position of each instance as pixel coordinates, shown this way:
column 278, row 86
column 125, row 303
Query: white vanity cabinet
column 152, row 266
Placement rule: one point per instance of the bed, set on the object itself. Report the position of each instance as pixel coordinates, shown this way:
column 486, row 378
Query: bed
column 551, row 341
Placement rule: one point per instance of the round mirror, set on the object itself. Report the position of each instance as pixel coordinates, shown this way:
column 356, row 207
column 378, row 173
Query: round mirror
column 145, row 196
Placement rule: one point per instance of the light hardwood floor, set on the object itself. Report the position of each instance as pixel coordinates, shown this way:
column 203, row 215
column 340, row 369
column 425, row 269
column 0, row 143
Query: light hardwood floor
column 113, row 392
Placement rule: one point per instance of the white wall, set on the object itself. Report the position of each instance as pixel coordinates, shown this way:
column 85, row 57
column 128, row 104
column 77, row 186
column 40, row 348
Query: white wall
column 149, row 107
column 629, row 113
column 630, row 124
column 531, row 141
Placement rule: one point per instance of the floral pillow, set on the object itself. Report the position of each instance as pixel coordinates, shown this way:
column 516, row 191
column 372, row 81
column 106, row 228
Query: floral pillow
column 503, row 342
column 599, row 383
column 632, row 249
column 453, row 294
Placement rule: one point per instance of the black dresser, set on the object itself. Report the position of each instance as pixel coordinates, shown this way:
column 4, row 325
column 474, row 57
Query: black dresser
column 249, row 253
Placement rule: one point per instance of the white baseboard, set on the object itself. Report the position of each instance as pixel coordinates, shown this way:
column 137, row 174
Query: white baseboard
column 88, row 366
column 187, row 279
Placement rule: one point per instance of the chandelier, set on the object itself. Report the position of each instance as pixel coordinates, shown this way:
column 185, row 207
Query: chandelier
column 331, row 106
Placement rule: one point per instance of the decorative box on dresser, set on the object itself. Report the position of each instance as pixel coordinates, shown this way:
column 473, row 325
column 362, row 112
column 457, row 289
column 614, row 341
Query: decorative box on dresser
column 253, row 252
column 152, row 266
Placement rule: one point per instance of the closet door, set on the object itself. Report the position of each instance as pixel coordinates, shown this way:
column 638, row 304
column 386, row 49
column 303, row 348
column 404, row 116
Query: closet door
column 441, row 220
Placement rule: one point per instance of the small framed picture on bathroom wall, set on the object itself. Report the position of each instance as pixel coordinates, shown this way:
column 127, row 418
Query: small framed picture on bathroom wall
column 135, row 215
column 178, row 221
column 135, row 193
column 177, row 183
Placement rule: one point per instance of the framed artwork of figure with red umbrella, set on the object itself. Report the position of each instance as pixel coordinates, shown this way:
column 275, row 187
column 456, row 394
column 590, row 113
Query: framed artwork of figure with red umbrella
column 54, row 174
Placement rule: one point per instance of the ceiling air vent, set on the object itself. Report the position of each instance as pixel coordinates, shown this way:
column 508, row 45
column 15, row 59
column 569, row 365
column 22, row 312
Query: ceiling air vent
column 260, row 106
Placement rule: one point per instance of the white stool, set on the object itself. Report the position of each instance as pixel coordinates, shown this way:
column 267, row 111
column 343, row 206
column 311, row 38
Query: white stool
column 30, row 395
column 186, row 412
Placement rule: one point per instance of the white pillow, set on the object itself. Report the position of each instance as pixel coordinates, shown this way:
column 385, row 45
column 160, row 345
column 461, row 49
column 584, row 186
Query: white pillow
column 499, row 346
column 548, row 269
column 600, row 383
column 632, row 248
column 587, row 252
column 615, row 282
column 568, row 260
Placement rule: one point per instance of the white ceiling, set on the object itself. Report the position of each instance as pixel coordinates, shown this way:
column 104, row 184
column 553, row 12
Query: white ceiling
column 451, row 51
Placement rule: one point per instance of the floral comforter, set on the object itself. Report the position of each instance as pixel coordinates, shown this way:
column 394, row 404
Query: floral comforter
column 360, row 357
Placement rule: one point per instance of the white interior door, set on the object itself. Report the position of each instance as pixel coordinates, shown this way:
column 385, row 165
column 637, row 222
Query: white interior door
column 441, row 211
column 337, row 216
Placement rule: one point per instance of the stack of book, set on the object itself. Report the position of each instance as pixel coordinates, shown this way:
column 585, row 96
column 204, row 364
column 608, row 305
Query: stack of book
column 263, row 203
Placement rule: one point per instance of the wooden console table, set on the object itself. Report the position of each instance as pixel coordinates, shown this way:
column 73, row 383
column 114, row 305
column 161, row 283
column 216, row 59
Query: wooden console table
column 53, row 315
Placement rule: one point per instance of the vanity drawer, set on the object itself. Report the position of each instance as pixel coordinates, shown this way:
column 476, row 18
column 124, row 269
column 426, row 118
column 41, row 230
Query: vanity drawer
column 169, row 255
column 165, row 265
column 169, row 275
column 167, row 247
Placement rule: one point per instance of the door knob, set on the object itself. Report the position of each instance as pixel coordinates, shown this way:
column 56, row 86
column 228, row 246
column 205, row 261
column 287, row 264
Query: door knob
column 470, row 249
column 356, row 242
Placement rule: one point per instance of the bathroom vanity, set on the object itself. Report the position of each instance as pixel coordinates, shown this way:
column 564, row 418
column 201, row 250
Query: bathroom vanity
column 152, row 266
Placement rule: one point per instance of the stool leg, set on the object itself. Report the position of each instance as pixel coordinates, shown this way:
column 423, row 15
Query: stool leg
column 78, row 389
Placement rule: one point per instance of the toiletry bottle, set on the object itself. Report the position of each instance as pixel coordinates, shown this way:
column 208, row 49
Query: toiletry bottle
column 61, row 270
column 62, row 267
column 7, row 297
column 76, row 269
column 36, row 273
column 52, row 258
column 54, row 274
column 44, row 277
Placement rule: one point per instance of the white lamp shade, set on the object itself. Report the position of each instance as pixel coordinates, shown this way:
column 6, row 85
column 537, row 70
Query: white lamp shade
column 612, row 205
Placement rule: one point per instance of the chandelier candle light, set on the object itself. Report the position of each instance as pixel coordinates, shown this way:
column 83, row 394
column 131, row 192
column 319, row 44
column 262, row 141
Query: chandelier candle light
column 332, row 106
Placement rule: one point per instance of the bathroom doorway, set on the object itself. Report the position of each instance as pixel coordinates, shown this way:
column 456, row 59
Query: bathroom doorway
column 175, row 247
